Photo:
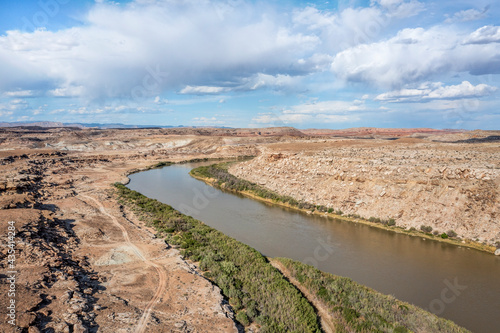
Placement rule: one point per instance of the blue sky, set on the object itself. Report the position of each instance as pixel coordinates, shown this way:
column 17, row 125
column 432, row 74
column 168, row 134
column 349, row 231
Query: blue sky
column 335, row 64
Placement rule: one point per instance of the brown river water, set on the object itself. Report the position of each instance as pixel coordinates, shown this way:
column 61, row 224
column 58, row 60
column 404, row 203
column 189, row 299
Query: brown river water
column 453, row 282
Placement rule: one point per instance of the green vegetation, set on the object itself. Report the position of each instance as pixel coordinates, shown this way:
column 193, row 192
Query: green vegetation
column 357, row 308
column 451, row 234
column 426, row 229
column 256, row 290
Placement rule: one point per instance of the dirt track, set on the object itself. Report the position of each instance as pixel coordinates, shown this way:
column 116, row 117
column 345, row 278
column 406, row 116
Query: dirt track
column 325, row 318
column 162, row 275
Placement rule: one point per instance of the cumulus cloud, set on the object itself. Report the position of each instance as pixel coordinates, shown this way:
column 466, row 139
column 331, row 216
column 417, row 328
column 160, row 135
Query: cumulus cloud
column 208, row 51
column 315, row 112
column 401, row 8
column 341, row 30
column 146, row 47
column 415, row 55
column 484, row 35
column 437, row 90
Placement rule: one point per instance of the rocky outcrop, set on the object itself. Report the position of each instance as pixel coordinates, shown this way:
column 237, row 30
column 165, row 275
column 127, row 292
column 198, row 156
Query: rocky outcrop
column 445, row 186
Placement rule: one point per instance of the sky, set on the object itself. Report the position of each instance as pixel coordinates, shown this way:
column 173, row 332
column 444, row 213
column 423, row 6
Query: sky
column 242, row 63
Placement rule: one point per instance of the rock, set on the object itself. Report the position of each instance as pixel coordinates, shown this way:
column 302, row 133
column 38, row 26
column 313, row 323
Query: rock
column 26, row 319
column 33, row 329
column 180, row 324
column 61, row 327
column 497, row 252
column 79, row 328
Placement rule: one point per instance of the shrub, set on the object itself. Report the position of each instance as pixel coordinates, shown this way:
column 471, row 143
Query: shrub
column 444, row 235
column 391, row 222
column 330, row 210
column 451, row 233
column 425, row 228
column 361, row 309
column 252, row 311
column 243, row 318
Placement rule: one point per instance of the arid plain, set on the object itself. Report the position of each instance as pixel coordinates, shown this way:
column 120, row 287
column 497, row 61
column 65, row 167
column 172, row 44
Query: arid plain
column 86, row 263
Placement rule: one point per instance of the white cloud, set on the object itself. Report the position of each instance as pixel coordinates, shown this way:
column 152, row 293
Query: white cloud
column 68, row 91
column 327, row 107
column 160, row 101
column 145, row 47
column 467, row 15
column 316, row 112
column 17, row 104
column 257, row 81
column 429, row 91
column 338, row 31
column 202, row 90
column 485, row 35
column 401, row 8
column 18, row 93
column 275, row 82
column 38, row 111
column 415, row 55
column 204, row 121
column 297, row 119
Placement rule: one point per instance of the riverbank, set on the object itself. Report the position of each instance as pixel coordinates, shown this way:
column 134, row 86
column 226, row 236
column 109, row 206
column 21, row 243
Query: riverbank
column 221, row 178
column 258, row 293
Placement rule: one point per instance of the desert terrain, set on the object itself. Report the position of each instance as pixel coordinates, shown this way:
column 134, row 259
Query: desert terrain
column 449, row 182
column 86, row 263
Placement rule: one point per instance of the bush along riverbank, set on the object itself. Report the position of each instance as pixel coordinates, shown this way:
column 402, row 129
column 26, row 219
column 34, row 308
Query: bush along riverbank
column 218, row 176
column 262, row 297
column 257, row 292
column 356, row 308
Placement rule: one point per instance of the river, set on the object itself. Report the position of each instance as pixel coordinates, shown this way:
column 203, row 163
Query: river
column 457, row 283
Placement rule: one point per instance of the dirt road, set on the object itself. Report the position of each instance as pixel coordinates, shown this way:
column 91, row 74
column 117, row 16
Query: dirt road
column 162, row 275
column 326, row 320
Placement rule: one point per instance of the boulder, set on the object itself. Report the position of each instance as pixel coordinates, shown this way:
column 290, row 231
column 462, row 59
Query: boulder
column 497, row 252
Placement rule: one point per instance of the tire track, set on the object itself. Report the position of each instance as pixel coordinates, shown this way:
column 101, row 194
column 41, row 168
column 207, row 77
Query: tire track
column 162, row 275
column 327, row 324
